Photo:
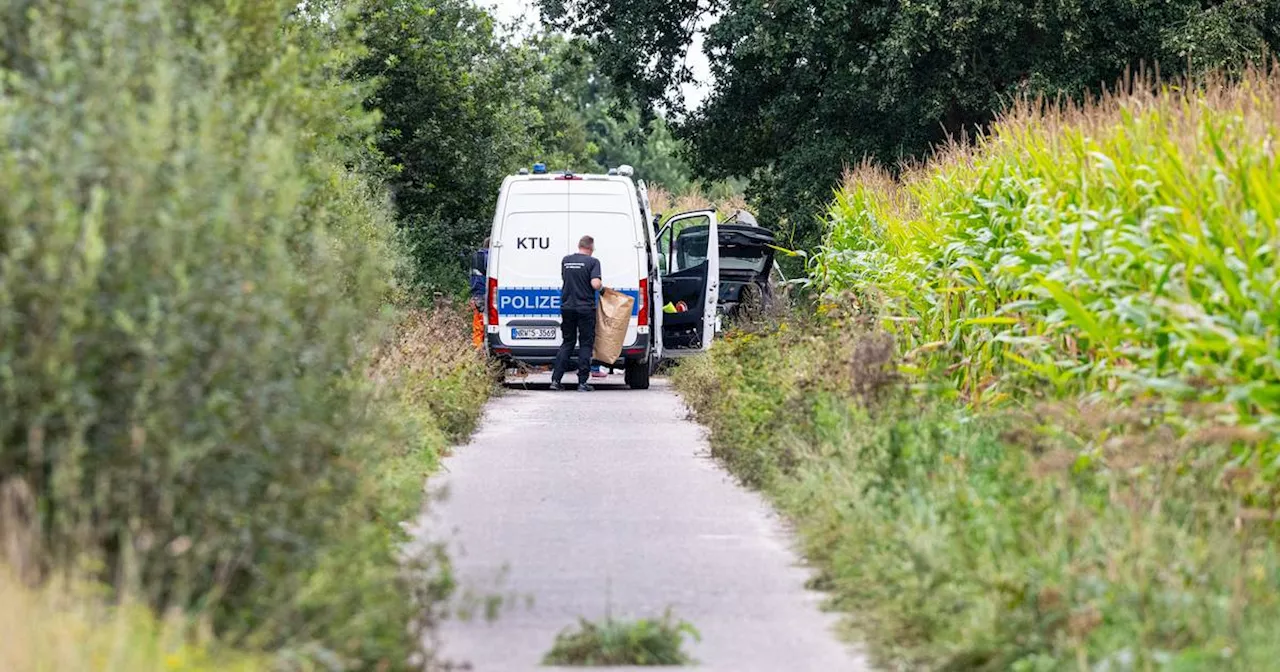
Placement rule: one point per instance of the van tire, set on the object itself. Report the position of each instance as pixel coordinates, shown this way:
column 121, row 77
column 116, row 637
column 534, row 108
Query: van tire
column 637, row 374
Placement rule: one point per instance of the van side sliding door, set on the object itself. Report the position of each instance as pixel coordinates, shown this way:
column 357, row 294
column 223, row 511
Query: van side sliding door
column 690, row 253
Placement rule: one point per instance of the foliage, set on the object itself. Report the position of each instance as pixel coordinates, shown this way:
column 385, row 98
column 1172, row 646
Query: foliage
column 464, row 106
column 455, row 122
column 581, row 104
column 612, row 642
column 1072, row 535
column 192, row 269
column 722, row 198
column 1030, row 425
column 1125, row 247
column 801, row 88
column 428, row 361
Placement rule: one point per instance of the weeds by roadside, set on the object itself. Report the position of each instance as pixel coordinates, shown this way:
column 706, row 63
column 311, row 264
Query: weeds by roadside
column 428, row 361
column 613, row 642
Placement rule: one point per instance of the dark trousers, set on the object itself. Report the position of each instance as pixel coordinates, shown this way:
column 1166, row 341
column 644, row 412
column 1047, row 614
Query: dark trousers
column 576, row 325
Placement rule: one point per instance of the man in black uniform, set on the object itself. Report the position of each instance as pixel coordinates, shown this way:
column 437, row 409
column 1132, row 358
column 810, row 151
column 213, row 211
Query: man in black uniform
column 580, row 275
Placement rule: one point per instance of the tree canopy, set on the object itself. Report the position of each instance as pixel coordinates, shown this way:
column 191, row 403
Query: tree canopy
column 463, row 105
column 803, row 89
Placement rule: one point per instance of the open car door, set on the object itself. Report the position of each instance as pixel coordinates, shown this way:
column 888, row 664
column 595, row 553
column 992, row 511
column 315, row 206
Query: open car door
column 689, row 261
column 654, row 302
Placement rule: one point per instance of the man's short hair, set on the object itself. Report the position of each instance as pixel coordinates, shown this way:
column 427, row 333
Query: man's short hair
column 587, row 243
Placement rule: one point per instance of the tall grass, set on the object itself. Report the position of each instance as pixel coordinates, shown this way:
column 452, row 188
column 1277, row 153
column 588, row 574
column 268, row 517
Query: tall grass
column 666, row 203
column 1125, row 246
column 59, row 628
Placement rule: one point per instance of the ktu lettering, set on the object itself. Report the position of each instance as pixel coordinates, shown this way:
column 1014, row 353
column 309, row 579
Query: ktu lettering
column 533, row 243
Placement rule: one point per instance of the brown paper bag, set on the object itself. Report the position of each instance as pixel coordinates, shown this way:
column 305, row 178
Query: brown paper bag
column 613, row 314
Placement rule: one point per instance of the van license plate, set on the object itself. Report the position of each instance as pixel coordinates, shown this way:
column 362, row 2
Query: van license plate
column 534, row 333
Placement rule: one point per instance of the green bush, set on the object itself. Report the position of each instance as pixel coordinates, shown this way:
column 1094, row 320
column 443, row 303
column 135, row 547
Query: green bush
column 1068, row 536
column 192, row 273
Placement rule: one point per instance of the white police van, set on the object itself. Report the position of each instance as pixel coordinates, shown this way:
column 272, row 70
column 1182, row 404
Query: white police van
column 540, row 218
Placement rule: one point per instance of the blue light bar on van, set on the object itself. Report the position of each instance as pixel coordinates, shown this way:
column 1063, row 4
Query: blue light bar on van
column 539, row 169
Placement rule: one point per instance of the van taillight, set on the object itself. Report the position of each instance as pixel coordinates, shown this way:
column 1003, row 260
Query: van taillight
column 493, row 301
column 643, row 319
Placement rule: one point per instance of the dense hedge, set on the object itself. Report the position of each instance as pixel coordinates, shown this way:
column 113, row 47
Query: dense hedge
column 192, row 273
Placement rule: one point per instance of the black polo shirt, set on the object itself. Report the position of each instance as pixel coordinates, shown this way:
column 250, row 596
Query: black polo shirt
column 576, row 272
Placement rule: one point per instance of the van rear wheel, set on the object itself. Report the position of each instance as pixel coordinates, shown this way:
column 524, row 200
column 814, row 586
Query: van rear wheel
column 637, row 374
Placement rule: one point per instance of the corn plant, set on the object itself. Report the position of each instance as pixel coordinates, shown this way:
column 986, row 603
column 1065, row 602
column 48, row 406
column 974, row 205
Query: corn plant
column 1124, row 246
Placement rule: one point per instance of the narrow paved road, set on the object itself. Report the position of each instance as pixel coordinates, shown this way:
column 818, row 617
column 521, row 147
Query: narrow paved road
column 609, row 501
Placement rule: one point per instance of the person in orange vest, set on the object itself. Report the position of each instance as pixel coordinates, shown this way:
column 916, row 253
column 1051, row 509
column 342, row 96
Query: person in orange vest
column 479, row 287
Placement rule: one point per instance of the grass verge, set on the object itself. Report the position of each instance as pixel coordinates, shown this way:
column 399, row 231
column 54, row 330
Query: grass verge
column 1064, row 536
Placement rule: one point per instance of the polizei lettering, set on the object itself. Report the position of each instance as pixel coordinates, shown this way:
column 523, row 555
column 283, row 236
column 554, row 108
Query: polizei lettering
column 541, row 301
column 533, row 243
column 528, row 302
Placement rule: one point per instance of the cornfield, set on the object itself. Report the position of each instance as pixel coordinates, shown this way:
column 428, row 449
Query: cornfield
column 1122, row 247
